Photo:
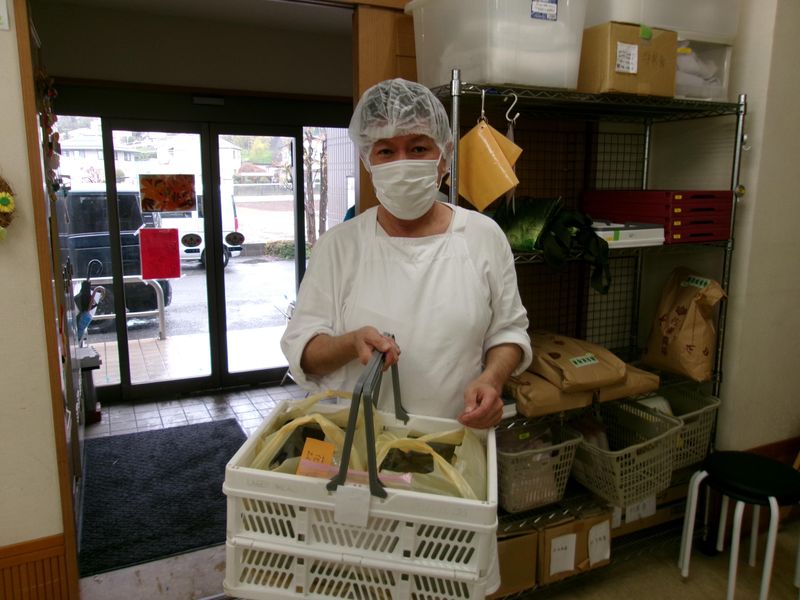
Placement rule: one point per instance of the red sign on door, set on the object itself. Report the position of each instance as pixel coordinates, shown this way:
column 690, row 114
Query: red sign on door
column 160, row 253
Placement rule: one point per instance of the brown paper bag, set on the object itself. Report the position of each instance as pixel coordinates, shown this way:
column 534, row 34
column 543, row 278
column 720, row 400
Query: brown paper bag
column 535, row 396
column 574, row 365
column 683, row 337
column 636, row 382
column 485, row 160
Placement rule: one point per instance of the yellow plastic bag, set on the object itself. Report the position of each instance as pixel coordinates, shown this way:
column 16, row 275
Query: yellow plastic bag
column 332, row 422
column 303, row 407
column 485, row 161
column 340, row 417
column 465, row 478
column 272, row 444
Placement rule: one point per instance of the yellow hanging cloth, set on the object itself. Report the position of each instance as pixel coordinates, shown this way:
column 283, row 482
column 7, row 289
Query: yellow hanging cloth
column 485, row 161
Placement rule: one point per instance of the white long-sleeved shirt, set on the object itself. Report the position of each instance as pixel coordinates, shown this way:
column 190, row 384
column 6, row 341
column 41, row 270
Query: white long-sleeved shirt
column 447, row 298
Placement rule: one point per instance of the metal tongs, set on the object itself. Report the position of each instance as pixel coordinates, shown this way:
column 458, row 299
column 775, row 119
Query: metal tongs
column 368, row 386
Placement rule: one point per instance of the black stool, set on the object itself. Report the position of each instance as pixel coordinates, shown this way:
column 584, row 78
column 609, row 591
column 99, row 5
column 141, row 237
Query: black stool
column 749, row 479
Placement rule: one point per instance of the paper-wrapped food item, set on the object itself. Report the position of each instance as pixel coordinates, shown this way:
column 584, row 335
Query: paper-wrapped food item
column 485, row 165
column 574, row 365
column 683, row 337
column 535, row 396
column 636, row 381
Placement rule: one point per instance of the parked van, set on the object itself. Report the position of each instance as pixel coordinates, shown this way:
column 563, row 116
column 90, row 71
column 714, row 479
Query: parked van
column 191, row 230
column 82, row 220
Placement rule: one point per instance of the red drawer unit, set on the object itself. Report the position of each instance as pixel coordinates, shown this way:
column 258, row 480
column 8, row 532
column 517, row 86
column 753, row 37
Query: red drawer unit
column 687, row 216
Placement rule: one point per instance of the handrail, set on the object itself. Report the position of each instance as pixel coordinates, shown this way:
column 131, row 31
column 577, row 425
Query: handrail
column 162, row 326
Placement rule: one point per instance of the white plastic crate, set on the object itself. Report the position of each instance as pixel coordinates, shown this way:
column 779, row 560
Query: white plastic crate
column 510, row 42
column 411, row 529
column 272, row 572
column 697, row 412
column 640, row 464
column 538, row 476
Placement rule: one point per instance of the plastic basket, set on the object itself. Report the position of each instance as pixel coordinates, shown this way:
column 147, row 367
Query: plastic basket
column 409, row 529
column 272, row 572
column 697, row 412
column 640, row 464
column 531, row 478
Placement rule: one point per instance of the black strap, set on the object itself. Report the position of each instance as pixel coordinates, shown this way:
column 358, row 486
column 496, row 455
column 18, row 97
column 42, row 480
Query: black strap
column 569, row 234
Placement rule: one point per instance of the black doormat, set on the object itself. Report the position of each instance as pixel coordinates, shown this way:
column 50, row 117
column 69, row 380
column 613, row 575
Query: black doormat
column 154, row 494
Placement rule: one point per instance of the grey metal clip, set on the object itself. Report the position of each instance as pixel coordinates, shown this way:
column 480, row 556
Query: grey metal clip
column 368, row 388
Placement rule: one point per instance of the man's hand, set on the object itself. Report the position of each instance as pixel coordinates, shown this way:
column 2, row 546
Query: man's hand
column 325, row 354
column 483, row 406
column 368, row 339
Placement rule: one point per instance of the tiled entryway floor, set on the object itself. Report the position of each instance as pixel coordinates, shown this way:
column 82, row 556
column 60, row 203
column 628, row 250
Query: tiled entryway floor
column 249, row 407
column 187, row 355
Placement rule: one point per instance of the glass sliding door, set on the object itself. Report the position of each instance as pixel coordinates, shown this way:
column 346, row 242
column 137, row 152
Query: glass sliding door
column 193, row 238
column 282, row 210
column 159, row 180
column 259, row 209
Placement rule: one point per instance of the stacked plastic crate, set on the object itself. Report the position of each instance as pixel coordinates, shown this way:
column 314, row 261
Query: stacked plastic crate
column 289, row 537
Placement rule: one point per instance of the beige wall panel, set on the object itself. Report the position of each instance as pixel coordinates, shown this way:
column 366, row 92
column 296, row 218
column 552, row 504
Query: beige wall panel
column 29, row 502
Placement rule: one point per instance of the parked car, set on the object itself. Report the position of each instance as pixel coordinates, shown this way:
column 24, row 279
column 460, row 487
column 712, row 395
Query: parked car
column 191, row 231
column 82, row 218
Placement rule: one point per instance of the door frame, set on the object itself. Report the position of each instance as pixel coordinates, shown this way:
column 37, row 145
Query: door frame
column 221, row 111
column 273, row 375
column 219, row 377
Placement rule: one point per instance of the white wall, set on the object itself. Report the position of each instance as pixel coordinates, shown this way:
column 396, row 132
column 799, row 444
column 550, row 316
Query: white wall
column 121, row 46
column 762, row 378
column 29, row 496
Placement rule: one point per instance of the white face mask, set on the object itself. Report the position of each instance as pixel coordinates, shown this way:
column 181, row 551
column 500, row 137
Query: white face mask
column 406, row 188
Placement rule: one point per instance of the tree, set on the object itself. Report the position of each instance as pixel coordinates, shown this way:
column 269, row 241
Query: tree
column 315, row 164
column 93, row 175
column 323, row 182
column 308, row 168
column 259, row 152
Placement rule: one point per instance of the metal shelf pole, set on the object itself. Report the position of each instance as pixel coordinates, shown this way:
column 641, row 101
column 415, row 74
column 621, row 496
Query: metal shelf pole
column 738, row 191
column 455, row 94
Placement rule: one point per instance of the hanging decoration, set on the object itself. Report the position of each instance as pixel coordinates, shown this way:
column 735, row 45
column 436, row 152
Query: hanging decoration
column 51, row 148
column 7, row 207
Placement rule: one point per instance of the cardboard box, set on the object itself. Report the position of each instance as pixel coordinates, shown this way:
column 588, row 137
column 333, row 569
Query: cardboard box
column 664, row 514
column 619, row 57
column 667, row 506
column 517, row 557
column 574, row 547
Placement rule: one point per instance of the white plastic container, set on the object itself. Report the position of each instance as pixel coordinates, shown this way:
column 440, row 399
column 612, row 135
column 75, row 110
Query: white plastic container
column 517, row 42
column 259, row 571
column 702, row 70
column 701, row 20
column 414, row 531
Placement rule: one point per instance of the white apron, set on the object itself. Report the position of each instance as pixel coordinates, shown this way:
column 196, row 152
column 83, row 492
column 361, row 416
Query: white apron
column 427, row 293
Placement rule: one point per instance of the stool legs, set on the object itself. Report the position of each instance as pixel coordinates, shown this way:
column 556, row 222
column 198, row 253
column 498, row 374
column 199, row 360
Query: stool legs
column 723, row 523
column 797, row 568
column 754, row 535
column 733, row 564
column 688, row 535
column 797, row 572
column 772, row 537
column 769, row 557
column 688, row 523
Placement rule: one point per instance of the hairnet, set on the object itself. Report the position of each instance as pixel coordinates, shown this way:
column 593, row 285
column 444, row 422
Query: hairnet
column 398, row 107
